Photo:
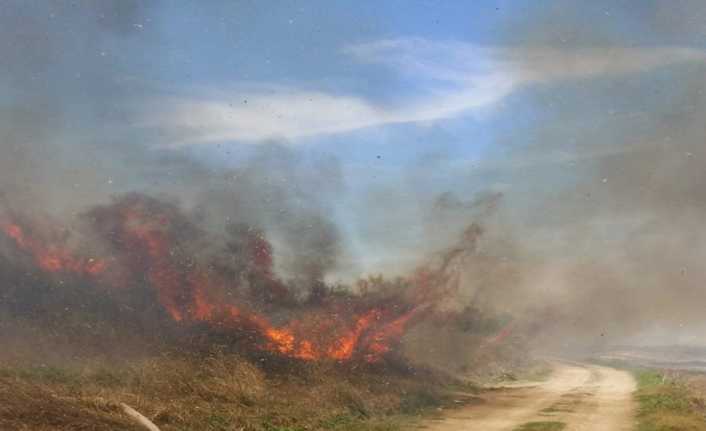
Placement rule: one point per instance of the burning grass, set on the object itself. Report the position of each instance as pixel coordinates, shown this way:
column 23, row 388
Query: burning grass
column 154, row 260
column 196, row 331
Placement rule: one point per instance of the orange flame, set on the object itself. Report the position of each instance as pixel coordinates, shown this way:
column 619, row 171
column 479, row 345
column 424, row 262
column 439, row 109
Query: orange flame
column 52, row 258
column 381, row 340
column 184, row 294
column 347, row 344
column 185, row 290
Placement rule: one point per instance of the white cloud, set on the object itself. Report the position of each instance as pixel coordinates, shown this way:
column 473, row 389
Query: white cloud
column 256, row 116
column 453, row 77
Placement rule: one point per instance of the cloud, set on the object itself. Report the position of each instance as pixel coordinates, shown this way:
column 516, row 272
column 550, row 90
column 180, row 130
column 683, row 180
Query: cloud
column 453, row 78
column 461, row 62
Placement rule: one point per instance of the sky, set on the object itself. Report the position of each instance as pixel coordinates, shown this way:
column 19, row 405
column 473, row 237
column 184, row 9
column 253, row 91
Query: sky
column 398, row 122
column 405, row 95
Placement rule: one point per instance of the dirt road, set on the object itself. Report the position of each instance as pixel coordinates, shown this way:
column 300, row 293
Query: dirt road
column 583, row 397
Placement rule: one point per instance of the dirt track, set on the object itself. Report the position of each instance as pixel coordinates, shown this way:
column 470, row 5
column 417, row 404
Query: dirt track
column 584, row 397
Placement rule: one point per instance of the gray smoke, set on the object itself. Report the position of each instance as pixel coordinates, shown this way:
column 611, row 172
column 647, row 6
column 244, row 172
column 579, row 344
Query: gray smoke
column 599, row 231
column 62, row 69
column 608, row 198
column 67, row 81
column 289, row 195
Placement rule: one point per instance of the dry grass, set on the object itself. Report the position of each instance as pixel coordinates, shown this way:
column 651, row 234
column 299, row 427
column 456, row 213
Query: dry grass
column 216, row 392
column 668, row 402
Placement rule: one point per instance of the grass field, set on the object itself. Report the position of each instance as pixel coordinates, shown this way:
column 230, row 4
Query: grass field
column 217, row 392
column 668, row 403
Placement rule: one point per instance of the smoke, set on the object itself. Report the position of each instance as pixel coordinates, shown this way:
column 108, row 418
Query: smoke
column 607, row 199
column 62, row 70
column 67, row 80
column 289, row 195
column 597, row 234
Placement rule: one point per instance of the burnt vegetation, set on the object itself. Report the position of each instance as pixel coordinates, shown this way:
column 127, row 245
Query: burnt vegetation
column 137, row 303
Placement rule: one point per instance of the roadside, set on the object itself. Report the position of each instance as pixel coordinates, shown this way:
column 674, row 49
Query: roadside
column 574, row 397
column 670, row 400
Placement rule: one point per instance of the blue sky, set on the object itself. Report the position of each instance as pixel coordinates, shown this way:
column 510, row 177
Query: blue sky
column 346, row 77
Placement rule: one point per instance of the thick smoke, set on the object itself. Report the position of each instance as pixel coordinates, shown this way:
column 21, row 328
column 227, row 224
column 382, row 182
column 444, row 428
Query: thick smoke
column 290, row 197
column 68, row 81
column 60, row 70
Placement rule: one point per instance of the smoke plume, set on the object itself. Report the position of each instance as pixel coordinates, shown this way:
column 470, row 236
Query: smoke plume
column 607, row 201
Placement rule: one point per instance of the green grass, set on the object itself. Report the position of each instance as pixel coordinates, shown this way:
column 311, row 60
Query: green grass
column 542, row 426
column 665, row 405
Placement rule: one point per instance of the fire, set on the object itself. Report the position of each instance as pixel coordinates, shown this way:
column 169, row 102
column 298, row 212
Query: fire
column 282, row 340
column 347, row 344
column 146, row 234
column 290, row 340
column 381, row 340
column 52, row 258
column 147, row 237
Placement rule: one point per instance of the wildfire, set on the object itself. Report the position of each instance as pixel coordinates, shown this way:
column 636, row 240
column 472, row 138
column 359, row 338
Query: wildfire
column 52, row 258
column 381, row 340
column 347, row 344
column 146, row 237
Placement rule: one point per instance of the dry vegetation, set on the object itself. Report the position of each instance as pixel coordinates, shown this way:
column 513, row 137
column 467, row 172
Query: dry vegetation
column 219, row 391
column 74, row 350
column 75, row 375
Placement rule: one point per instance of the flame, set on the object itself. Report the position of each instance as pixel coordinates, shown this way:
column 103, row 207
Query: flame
column 52, row 258
column 148, row 235
column 145, row 237
column 186, row 296
column 347, row 344
column 382, row 339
